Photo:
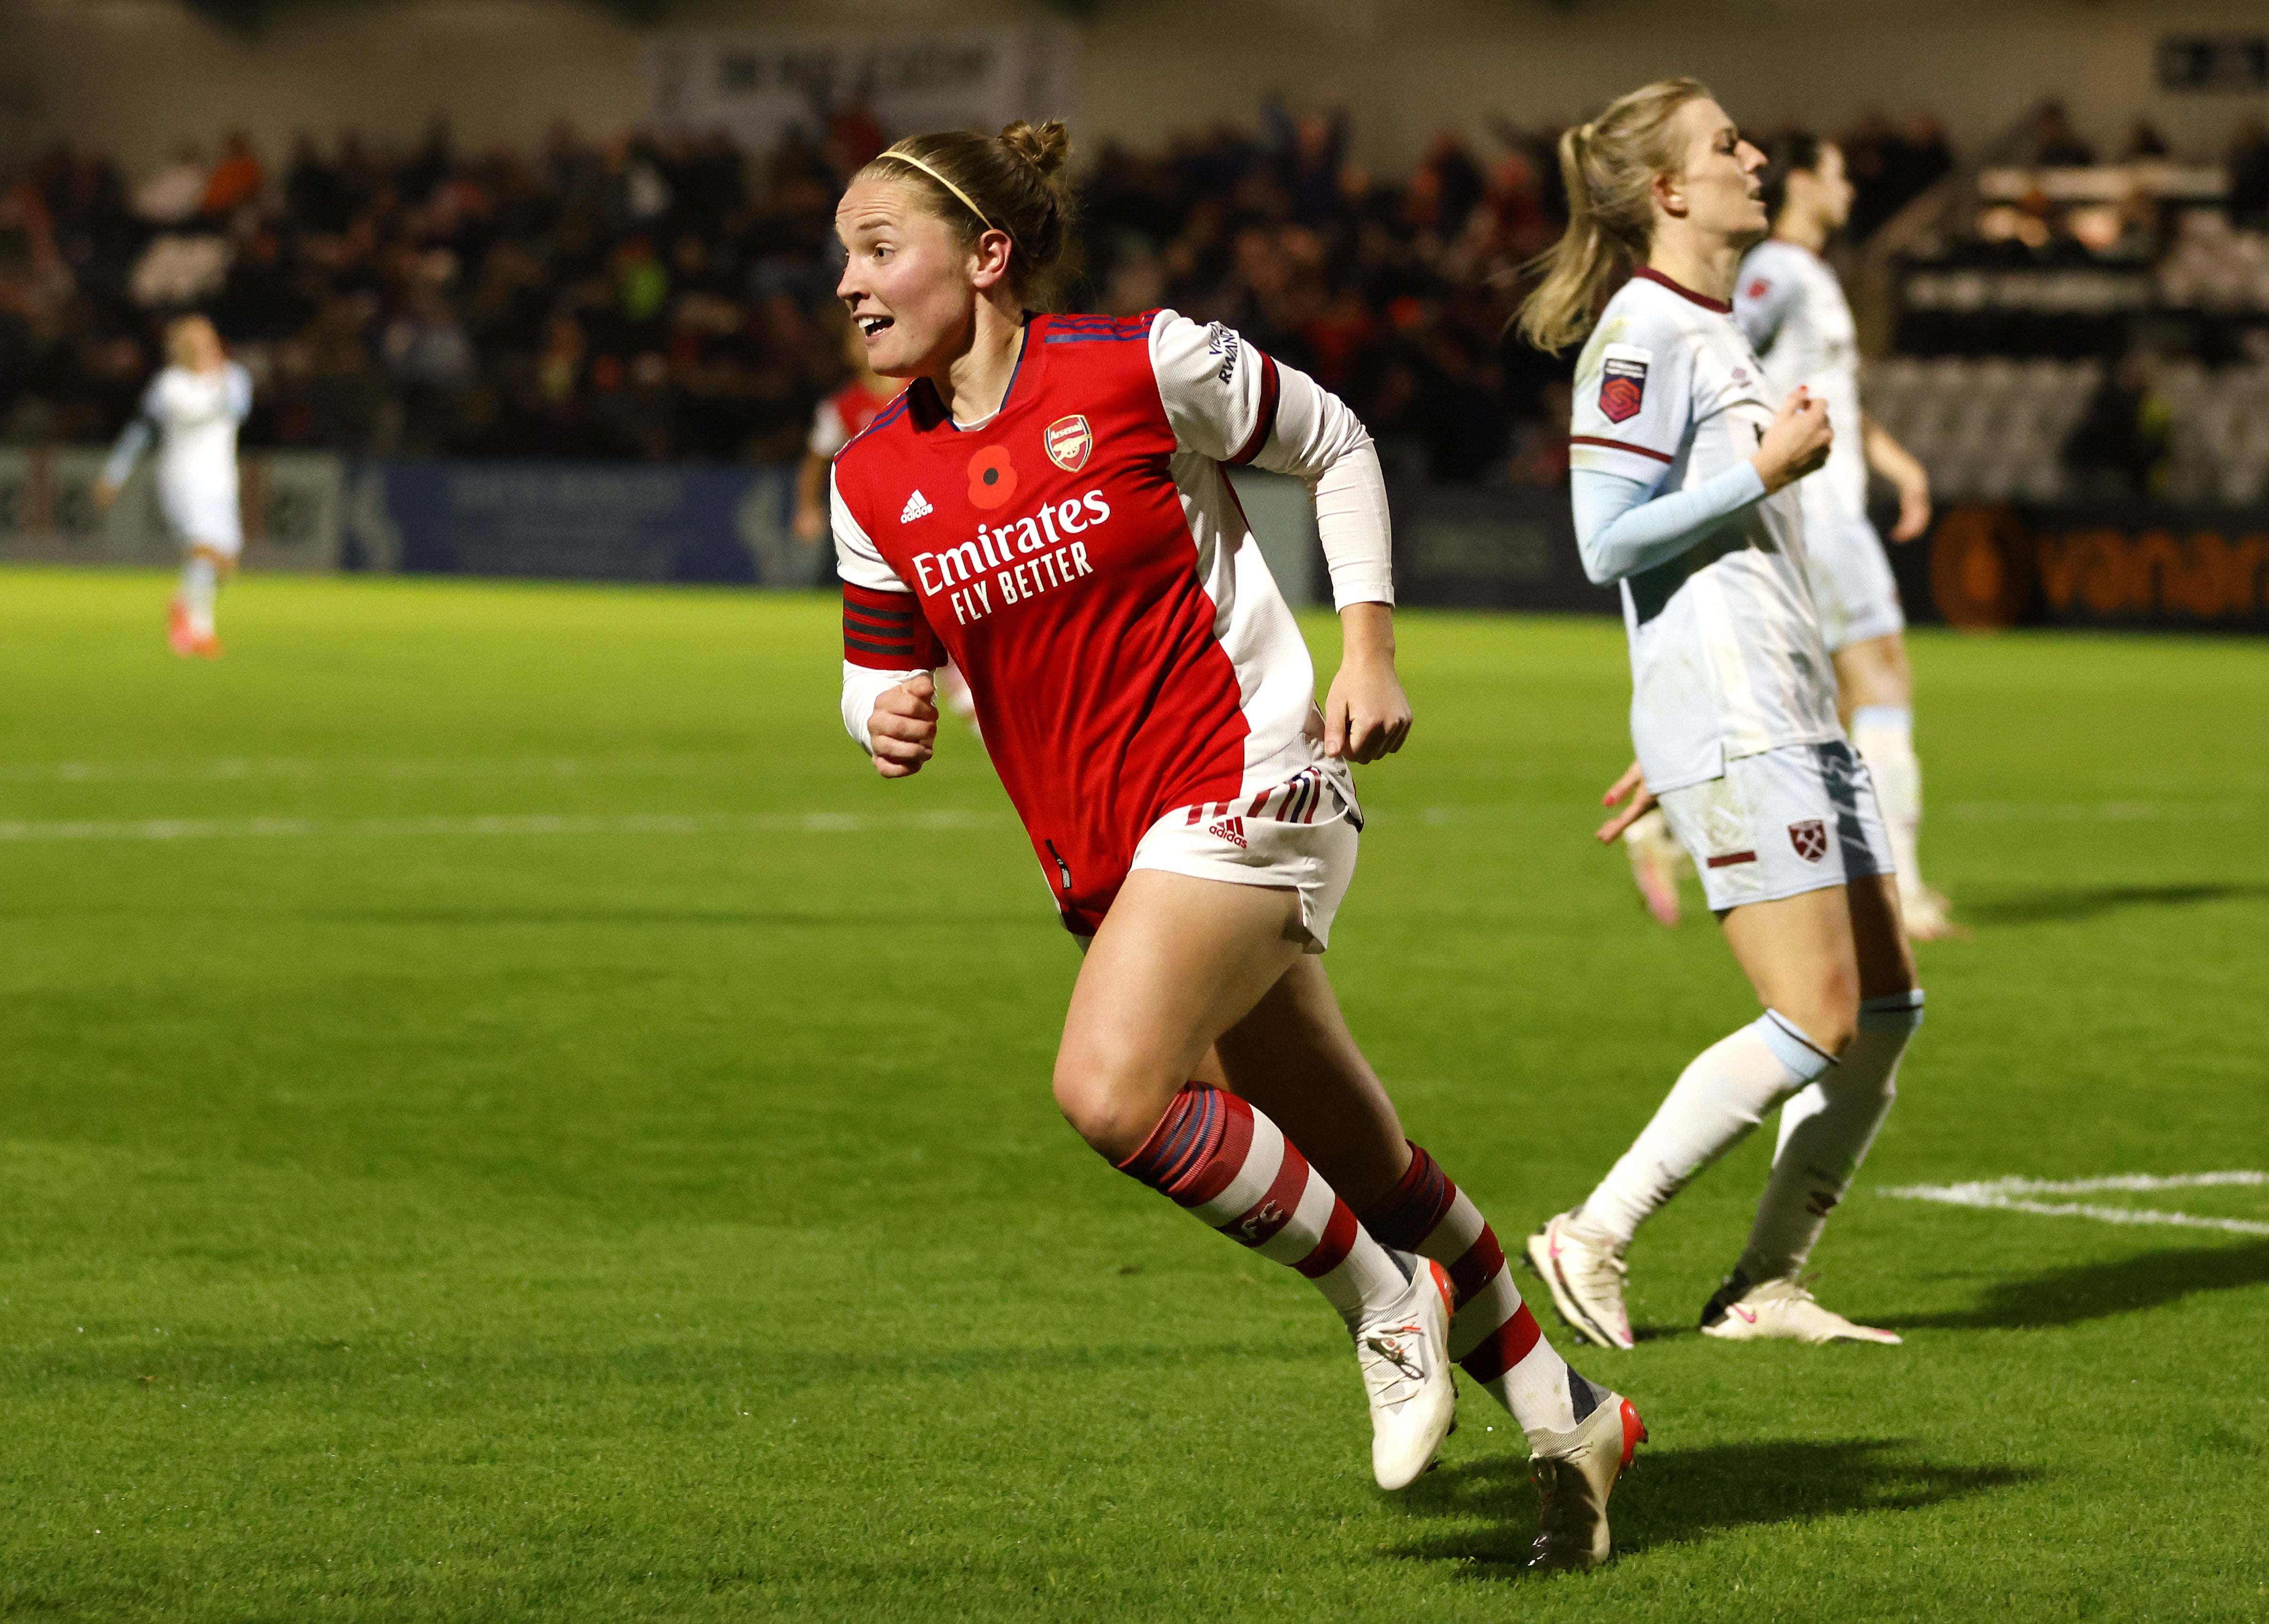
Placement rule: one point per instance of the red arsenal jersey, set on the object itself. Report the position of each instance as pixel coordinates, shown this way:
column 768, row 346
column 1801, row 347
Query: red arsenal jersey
column 844, row 416
column 1081, row 556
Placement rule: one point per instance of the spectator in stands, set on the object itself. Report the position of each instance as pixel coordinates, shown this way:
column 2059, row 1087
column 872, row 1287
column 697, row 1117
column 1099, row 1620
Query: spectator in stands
column 234, row 181
column 2143, row 143
column 2249, row 176
column 2056, row 144
column 2119, row 451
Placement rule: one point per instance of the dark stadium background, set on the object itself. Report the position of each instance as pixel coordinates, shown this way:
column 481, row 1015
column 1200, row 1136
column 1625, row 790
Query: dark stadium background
column 547, row 235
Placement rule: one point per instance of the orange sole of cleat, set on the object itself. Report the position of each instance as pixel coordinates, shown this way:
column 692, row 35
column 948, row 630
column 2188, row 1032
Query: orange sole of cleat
column 1633, row 1433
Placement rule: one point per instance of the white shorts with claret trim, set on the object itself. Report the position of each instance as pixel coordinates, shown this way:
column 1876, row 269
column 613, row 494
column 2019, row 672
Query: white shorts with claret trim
column 1300, row 834
column 203, row 515
column 1780, row 823
column 1851, row 582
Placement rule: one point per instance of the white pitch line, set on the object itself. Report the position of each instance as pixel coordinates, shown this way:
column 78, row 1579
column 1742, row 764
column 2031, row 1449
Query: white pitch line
column 2014, row 1195
column 230, row 768
column 539, row 824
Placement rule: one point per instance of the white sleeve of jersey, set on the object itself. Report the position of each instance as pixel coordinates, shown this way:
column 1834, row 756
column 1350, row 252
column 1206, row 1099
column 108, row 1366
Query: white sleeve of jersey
column 857, row 559
column 1228, row 401
column 1763, row 296
column 236, row 392
column 860, row 562
column 827, row 435
column 1634, row 401
column 1219, row 392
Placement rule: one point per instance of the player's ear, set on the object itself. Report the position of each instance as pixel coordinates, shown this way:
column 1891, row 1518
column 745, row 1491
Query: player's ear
column 991, row 256
column 1669, row 196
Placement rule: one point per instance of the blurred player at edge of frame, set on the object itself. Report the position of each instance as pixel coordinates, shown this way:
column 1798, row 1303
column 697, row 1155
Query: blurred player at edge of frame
column 192, row 409
column 841, row 419
column 1047, row 504
column 1681, row 476
column 1789, row 303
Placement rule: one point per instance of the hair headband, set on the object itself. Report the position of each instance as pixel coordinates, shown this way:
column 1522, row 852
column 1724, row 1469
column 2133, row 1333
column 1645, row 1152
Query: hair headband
column 967, row 202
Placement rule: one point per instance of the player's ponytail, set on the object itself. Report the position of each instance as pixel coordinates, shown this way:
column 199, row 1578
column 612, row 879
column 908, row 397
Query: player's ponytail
column 1014, row 182
column 1608, row 166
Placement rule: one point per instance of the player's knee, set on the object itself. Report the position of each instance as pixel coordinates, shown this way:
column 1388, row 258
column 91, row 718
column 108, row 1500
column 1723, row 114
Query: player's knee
column 1826, row 1008
column 1112, row 1101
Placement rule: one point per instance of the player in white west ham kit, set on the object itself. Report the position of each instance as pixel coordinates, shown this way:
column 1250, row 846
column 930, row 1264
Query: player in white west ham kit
column 1683, row 472
column 1789, row 303
column 192, row 409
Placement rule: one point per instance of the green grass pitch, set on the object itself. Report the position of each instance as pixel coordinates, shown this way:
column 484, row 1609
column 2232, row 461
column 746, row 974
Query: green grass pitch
column 506, row 1119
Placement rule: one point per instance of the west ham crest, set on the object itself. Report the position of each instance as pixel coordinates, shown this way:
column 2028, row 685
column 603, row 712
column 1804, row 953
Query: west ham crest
column 1623, row 391
column 1068, row 441
column 1810, row 839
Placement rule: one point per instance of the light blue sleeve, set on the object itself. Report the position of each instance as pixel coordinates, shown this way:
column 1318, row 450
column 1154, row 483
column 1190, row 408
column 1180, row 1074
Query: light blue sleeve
column 1620, row 531
column 130, row 446
column 236, row 392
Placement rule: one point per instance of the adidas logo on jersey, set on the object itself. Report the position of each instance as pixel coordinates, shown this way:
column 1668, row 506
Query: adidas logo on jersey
column 917, row 507
column 1230, row 828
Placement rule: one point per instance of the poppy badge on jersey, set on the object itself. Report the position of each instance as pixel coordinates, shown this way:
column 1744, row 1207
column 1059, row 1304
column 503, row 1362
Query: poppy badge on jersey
column 1810, row 839
column 1068, row 441
column 992, row 479
column 1622, row 387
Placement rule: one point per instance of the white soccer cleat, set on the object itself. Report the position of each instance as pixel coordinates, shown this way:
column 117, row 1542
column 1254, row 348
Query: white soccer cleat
column 1781, row 1311
column 1585, row 1274
column 1405, row 1355
column 1574, row 1475
column 1654, row 853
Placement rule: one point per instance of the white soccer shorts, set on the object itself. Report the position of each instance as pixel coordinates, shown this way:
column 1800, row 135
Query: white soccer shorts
column 203, row 516
column 1799, row 818
column 1300, row 834
column 1851, row 582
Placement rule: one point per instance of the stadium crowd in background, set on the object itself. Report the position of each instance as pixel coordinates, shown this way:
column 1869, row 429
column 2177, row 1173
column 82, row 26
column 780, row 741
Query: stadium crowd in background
column 672, row 299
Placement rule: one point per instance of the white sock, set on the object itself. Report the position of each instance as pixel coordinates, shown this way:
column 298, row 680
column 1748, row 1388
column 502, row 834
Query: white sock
column 1824, row 1135
column 1884, row 736
column 1717, row 1099
column 200, row 586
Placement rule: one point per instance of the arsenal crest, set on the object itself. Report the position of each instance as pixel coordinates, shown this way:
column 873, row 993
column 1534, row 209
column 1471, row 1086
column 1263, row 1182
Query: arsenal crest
column 1622, row 390
column 1810, row 839
column 1068, row 441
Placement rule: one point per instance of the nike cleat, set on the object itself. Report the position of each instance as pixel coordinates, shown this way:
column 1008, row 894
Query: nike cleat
column 1585, row 1273
column 1574, row 1475
column 179, row 637
column 1779, row 1310
column 1404, row 1354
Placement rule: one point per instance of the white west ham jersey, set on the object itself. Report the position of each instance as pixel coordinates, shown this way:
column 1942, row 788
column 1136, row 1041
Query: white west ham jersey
column 1788, row 302
column 197, row 414
column 1727, row 658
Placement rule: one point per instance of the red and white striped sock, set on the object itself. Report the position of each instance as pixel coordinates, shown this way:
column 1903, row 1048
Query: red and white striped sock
column 1493, row 1334
column 1232, row 1166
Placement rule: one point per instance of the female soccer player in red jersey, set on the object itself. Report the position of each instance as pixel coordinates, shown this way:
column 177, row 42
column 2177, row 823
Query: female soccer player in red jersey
column 1047, row 504
column 1682, row 472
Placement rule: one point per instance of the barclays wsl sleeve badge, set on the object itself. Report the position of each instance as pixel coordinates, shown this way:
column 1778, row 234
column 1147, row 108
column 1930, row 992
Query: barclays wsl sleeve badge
column 1068, row 441
column 1622, row 387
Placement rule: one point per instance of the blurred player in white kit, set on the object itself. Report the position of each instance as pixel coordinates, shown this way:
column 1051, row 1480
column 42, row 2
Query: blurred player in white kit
column 192, row 409
column 1793, row 310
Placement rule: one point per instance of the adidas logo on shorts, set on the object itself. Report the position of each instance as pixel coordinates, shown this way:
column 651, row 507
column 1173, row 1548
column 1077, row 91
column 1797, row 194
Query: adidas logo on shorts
column 1230, row 828
column 917, row 507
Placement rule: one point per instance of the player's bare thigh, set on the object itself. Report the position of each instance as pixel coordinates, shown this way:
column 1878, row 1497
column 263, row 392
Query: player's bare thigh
column 1872, row 672
column 1814, row 956
column 1177, row 961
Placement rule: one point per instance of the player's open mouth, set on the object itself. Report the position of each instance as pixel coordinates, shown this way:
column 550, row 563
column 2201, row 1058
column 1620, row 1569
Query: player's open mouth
column 871, row 325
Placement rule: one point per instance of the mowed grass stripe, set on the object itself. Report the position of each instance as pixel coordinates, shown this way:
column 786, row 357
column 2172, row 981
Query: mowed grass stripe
column 607, row 1219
